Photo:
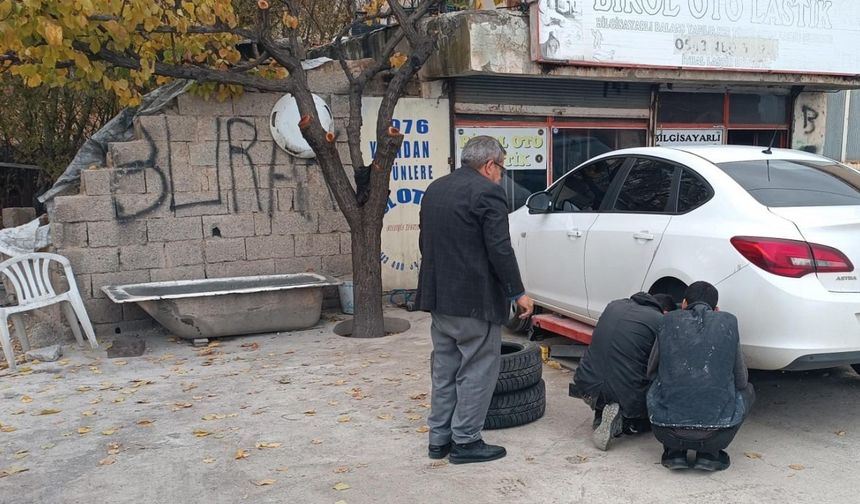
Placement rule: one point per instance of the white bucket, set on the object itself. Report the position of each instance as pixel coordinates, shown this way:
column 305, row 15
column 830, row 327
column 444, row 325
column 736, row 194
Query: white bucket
column 347, row 301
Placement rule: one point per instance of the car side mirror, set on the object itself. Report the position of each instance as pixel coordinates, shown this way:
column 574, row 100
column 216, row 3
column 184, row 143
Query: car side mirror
column 539, row 203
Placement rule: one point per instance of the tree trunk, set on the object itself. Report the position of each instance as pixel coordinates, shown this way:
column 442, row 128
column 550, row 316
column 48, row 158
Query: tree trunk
column 367, row 276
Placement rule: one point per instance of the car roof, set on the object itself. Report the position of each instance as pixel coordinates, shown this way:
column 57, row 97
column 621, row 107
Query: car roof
column 725, row 153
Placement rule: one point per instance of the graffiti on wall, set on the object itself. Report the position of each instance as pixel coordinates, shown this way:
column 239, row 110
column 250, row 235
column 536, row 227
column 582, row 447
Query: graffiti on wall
column 810, row 117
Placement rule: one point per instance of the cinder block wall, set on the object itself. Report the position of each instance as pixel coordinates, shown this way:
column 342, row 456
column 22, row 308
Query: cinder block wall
column 201, row 192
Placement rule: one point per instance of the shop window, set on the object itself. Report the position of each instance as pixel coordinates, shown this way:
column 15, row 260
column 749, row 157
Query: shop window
column 757, row 109
column 574, row 146
column 693, row 192
column 520, row 184
column 646, row 188
column 584, row 189
column 690, row 108
column 761, row 138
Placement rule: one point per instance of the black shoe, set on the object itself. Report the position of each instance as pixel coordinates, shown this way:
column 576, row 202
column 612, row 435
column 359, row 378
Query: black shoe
column 610, row 426
column 634, row 426
column 674, row 459
column 711, row 462
column 598, row 416
column 435, row 451
column 477, row 451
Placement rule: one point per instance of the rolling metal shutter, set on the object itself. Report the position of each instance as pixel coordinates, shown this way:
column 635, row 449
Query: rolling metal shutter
column 544, row 91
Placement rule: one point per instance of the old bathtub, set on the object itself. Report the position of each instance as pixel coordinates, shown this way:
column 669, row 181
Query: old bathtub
column 208, row 308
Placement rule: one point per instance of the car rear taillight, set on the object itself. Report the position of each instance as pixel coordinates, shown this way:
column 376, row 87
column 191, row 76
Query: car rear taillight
column 791, row 258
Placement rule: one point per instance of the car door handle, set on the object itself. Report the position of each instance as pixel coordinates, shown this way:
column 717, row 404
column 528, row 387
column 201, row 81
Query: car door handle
column 643, row 235
column 574, row 233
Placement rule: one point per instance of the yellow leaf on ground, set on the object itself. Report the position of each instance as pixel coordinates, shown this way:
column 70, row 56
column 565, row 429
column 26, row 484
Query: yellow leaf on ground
column 88, row 413
column 179, row 406
column 108, row 432
column 26, row 399
column 113, row 448
column 96, row 400
column 83, row 388
column 107, row 461
column 840, row 433
column 752, row 455
column 200, row 433
column 341, row 486
column 264, row 482
column 343, row 419
column 7, row 428
column 423, row 429
column 553, row 364
column 12, row 470
column 419, row 397
column 796, row 467
column 145, row 423
column 282, row 469
column 262, row 444
column 84, row 430
column 19, row 412
column 340, row 502
column 49, row 411
column 119, row 399
column 316, row 441
column 341, row 470
column 214, row 416
column 241, row 454
column 120, row 363
column 21, row 454
column 208, row 460
column 310, row 412
column 48, row 446
column 385, row 416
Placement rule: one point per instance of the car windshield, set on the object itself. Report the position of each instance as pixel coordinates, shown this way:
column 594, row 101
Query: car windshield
column 796, row 183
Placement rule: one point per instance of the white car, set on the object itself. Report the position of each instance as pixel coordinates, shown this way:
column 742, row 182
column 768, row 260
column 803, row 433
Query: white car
column 776, row 231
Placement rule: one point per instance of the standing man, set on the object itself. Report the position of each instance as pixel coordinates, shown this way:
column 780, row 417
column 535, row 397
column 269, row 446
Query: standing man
column 700, row 395
column 468, row 278
column 612, row 376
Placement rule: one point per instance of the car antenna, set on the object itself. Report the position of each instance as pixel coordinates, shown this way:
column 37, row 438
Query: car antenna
column 769, row 147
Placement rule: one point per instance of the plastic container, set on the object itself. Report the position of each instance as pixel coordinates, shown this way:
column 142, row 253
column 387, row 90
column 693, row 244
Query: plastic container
column 347, row 299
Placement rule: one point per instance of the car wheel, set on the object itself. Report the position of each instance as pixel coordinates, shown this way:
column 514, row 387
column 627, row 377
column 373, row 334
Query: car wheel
column 517, row 408
column 515, row 323
column 520, row 367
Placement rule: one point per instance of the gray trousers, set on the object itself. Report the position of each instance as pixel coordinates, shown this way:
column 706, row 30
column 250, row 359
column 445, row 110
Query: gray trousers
column 465, row 369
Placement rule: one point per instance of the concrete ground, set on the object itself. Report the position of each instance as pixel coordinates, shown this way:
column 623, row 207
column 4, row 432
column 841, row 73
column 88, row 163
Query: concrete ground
column 311, row 417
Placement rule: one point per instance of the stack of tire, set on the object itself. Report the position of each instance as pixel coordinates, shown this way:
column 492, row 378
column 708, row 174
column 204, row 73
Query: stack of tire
column 520, row 395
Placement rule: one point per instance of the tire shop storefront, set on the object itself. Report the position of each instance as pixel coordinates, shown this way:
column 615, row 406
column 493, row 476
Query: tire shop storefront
column 567, row 80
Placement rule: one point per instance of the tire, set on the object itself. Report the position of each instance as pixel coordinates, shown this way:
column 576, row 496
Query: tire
column 515, row 323
column 855, row 367
column 520, row 368
column 517, row 408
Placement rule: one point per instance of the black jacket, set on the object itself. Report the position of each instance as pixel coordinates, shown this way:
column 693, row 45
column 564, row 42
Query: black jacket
column 468, row 267
column 614, row 367
column 696, row 386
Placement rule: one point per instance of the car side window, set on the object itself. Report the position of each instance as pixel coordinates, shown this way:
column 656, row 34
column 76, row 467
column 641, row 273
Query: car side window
column 583, row 189
column 692, row 192
column 646, row 188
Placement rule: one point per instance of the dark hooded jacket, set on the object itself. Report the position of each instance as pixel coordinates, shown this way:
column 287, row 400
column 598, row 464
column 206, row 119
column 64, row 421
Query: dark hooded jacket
column 614, row 367
column 695, row 385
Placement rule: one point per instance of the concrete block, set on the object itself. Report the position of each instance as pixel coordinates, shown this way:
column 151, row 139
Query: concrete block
column 224, row 249
column 131, row 311
column 255, row 104
column 95, row 181
column 195, row 204
column 240, row 268
column 333, row 221
column 134, row 153
column 286, row 197
column 337, row 265
column 154, row 125
column 187, row 178
column 64, row 235
column 317, row 245
column 328, row 79
column 298, row 265
column 190, row 105
column 345, row 243
column 176, row 229
column 194, row 272
column 16, row 216
column 92, row 260
column 142, row 206
column 241, row 176
column 182, row 253
column 181, row 128
column 264, row 129
column 85, row 285
column 83, row 208
column 262, row 224
column 294, row 223
column 128, row 181
column 250, row 201
column 237, row 129
column 206, row 154
column 119, row 278
column 287, row 175
column 136, row 257
column 157, row 180
column 269, row 247
column 339, row 104
column 229, row 226
column 114, row 233
column 103, row 311
column 264, row 153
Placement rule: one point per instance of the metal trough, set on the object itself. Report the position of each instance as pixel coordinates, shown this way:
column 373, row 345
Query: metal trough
column 208, row 308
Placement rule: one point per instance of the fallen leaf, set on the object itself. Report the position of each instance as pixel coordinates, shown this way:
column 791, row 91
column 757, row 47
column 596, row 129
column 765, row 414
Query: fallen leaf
column 423, row 429
column 120, row 363
column 340, row 502
column 214, row 344
column 19, row 412
column 88, row 413
column 332, row 403
column 26, row 399
column 282, row 469
column 12, row 470
column 310, row 412
column 385, row 416
column 796, row 467
column 49, row 411
column 436, row 464
column 190, row 386
column 119, row 399
column 113, row 448
column 250, row 346
column 343, row 419
column 341, row 487
column 262, row 444
column 356, row 393
column 48, row 446
column 83, row 388
column 553, row 364
column 21, row 454
column 241, row 454
column 214, row 416
column 96, row 400
column 840, row 433
column 340, row 382
column 108, row 432
column 341, row 470
column 145, row 423
column 208, row 460
column 84, row 430
column 419, row 397
column 316, row 441
column 63, row 362
column 414, row 418
column 264, row 482
column 7, row 428
column 107, row 461
column 752, row 455
column 284, row 380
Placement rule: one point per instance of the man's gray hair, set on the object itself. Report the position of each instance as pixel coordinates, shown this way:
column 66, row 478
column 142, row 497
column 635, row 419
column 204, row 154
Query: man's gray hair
column 481, row 149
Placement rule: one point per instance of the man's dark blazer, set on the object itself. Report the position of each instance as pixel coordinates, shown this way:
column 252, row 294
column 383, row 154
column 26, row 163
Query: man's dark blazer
column 468, row 267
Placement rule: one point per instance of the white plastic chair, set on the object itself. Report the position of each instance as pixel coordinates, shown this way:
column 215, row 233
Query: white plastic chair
column 30, row 277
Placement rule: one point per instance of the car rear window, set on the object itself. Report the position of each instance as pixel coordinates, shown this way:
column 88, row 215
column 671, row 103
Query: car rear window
column 794, row 183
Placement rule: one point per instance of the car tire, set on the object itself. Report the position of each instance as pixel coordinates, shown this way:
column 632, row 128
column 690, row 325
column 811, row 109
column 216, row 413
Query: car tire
column 517, row 408
column 520, row 366
column 856, row 368
column 515, row 323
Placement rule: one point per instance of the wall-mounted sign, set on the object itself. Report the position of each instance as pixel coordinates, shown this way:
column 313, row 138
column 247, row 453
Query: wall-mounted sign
column 810, row 36
column 688, row 136
column 526, row 147
column 422, row 158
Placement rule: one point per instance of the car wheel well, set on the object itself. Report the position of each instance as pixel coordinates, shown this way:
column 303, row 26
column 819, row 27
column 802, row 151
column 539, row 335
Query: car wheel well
column 671, row 286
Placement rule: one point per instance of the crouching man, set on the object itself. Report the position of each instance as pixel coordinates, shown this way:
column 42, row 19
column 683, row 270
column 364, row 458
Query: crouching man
column 700, row 394
column 612, row 375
